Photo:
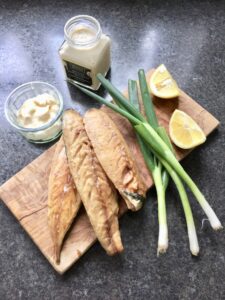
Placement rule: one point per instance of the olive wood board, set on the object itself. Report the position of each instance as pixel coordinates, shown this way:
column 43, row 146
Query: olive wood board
column 25, row 194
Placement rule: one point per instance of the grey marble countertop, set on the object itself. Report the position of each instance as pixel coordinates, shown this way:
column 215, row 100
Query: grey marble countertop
column 187, row 36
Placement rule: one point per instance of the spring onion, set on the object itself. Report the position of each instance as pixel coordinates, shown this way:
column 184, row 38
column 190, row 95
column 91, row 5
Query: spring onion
column 160, row 176
column 155, row 168
column 158, row 145
column 192, row 235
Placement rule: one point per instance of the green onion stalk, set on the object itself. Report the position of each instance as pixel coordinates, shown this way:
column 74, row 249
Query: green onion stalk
column 149, row 108
column 155, row 142
column 192, row 235
column 160, row 177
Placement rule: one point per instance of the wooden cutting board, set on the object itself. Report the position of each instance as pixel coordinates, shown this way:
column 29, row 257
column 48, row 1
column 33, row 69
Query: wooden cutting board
column 25, row 194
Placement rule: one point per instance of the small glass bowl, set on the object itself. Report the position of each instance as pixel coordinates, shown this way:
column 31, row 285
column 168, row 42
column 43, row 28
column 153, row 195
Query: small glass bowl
column 43, row 134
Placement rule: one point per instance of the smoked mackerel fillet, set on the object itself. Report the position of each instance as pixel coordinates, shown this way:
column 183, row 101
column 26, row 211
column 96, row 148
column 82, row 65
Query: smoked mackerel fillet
column 63, row 198
column 97, row 192
column 115, row 157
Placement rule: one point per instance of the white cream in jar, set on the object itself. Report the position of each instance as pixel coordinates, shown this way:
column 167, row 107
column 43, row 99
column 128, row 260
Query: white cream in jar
column 85, row 51
column 36, row 112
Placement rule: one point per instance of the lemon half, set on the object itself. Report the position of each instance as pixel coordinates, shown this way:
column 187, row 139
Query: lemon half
column 184, row 131
column 162, row 84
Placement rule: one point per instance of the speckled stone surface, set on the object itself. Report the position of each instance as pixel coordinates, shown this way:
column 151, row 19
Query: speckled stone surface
column 188, row 36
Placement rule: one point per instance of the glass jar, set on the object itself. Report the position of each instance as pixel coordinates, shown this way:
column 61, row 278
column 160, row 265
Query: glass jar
column 85, row 51
column 50, row 130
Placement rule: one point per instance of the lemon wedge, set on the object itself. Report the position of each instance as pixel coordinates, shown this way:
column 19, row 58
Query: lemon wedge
column 184, row 131
column 162, row 84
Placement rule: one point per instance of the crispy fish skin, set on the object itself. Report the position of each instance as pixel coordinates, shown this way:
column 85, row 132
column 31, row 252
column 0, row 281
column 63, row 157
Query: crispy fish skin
column 63, row 198
column 115, row 157
column 97, row 193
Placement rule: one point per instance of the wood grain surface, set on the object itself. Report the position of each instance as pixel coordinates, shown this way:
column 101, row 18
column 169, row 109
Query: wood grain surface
column 25, row 194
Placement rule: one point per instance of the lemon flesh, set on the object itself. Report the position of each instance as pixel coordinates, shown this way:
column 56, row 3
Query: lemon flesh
column 162, row 84
column 184, row 131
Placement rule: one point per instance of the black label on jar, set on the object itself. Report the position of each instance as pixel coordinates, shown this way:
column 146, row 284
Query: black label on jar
column 78, row 73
